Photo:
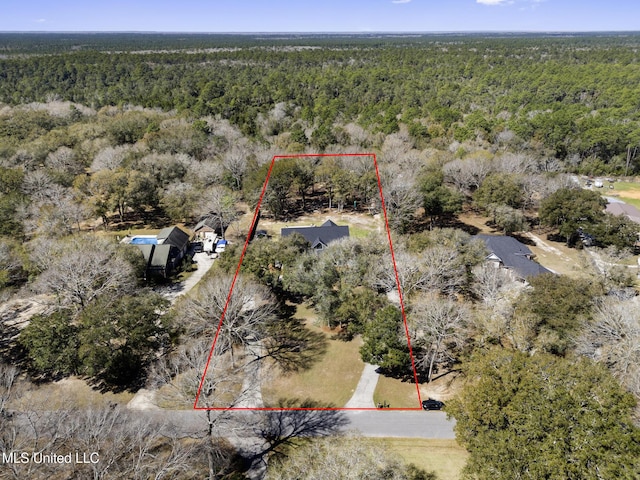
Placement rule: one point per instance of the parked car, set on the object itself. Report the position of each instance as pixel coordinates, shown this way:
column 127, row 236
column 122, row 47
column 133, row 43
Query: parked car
column 197, row 247
column 220, row 246
column 431, row 404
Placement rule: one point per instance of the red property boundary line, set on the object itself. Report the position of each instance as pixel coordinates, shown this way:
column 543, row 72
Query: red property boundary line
column 244, row 249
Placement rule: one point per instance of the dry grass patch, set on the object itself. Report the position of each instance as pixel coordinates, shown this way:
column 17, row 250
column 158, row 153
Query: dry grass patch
column 477, row 221
column 396, row 393
column 71, row 392
column 444, row 457
column 560, row 258
column 360, row 224
column 628, row 189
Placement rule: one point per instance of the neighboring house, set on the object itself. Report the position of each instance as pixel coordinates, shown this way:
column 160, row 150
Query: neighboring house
column 509, row 253
column 319, row 237
column 208, row 227
column 162, row 252
column 620, row 208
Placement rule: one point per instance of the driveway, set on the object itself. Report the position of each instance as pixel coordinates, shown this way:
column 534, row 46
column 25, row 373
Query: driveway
column 363, row 396
column 172, row 292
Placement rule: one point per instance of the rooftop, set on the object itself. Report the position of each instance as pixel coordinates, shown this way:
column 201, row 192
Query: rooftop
column 513, row 255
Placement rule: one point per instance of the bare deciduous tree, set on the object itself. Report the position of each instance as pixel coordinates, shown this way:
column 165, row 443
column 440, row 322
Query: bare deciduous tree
column 401, row 197
column 37, row 185
column 235, row 162
column 437, row 326
column 219, row 203
column 249, row 309
column 343, row 457
column 82, row 268
column 613, row 338
column 110, row 158
column 204, row 174
column 358, row 135
column 467, row 175
column 489, row 281
column 57, row 213
column 436, row 268
column 64, row 160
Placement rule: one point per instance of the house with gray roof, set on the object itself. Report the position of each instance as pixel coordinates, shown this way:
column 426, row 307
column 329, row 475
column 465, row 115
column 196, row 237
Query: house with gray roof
column 507, row 252
column 162, row 252
column 209, row 227
column 319, row 237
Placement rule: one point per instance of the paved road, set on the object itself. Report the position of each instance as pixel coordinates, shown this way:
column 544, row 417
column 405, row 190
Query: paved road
column 375, row 423
column 407, row 424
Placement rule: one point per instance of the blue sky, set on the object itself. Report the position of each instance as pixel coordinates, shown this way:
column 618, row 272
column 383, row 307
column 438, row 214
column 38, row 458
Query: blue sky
column 319, row 15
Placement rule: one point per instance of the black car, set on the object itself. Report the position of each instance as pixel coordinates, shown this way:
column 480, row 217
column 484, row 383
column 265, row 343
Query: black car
column 431, row 404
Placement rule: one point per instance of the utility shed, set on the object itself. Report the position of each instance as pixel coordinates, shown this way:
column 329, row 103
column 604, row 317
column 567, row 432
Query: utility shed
column 319, row 237
column 507, row 252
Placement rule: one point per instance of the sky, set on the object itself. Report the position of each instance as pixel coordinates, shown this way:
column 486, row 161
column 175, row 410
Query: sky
column 320, row 15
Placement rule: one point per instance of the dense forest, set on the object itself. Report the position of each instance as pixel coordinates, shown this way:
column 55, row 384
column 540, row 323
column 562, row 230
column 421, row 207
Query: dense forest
column 575, row 97
column 102, row 135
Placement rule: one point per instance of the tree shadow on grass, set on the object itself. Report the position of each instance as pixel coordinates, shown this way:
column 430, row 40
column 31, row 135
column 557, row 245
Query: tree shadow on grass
column 293, row 346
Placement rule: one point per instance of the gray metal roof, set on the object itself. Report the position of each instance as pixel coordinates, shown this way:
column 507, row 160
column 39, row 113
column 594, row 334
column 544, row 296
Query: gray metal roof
column 173, row 236
column 325, row 233
column 513, row 255
column 212, row 223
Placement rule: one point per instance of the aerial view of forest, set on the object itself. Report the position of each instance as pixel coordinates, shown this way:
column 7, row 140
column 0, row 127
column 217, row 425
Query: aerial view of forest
column 485, row 265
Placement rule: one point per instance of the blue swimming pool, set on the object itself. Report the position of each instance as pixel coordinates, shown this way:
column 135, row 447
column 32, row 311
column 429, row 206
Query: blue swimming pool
column 144, row 241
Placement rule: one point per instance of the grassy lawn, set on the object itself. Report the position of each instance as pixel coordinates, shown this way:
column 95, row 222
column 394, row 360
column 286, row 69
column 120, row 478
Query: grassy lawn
column 120, row 234
column 330, row 381
column 444, row 457
column 629, row 192
column 359, row 232
column 396, row 393
column 631, row 201
column 625, row 187
column 69, row 392
column 360, row 224
column 561, row 259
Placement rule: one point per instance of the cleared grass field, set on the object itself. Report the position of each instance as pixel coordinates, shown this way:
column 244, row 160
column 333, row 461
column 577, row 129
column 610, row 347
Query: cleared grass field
column 629, row 192
column 330, row 381
column 444, row 457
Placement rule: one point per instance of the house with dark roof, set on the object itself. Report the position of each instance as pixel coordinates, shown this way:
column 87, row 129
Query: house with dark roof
column 208, row 227
column 319, row 237
column 163, row 252
column 509, row 253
